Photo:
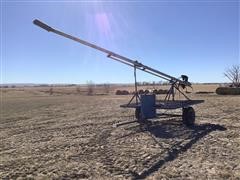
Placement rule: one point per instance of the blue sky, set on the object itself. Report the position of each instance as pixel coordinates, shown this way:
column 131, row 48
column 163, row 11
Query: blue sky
column 196, row 38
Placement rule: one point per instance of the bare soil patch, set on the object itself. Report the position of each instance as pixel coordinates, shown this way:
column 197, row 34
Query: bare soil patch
column 72, row 136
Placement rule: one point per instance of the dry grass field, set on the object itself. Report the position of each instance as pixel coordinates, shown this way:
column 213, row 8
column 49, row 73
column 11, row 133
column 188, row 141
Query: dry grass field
column 69, row 135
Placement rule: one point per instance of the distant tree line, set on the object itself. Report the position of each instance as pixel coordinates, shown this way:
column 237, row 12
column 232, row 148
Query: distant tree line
column 152, row 83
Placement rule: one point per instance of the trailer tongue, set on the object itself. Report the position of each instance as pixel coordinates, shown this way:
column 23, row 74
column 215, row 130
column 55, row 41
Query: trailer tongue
column 145, row 105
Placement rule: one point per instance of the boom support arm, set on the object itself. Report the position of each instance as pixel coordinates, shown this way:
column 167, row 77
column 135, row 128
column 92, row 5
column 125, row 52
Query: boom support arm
column 114, row 56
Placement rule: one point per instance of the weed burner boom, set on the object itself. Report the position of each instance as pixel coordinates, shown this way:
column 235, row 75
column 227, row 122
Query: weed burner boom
column 169, row 101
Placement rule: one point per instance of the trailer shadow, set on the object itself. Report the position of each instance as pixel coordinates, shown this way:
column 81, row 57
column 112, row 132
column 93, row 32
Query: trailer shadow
column 174, row 129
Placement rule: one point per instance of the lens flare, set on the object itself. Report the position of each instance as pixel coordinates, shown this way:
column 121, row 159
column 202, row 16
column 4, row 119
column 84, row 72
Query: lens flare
column 103, row 23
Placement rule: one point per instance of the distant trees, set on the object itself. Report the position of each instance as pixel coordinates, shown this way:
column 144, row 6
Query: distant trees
column 233, row 74
column 152, row 83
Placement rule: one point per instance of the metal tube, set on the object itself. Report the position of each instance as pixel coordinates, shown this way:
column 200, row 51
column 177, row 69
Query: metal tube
column 135, row 83
column 112, row 55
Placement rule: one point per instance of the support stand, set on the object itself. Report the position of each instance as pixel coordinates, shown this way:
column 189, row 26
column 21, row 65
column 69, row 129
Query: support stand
column 135, row 95
column 171, row 92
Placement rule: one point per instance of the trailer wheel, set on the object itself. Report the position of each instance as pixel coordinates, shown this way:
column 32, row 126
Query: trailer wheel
column 138, row 113
column 188, row 116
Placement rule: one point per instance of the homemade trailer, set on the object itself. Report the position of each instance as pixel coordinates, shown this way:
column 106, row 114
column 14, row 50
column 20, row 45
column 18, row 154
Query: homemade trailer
column 145, row 105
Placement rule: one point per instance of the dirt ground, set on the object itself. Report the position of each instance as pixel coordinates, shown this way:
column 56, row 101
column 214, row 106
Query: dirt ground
column 67, row 136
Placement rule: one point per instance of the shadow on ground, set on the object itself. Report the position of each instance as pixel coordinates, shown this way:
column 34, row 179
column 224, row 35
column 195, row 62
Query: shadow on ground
column 174, row 129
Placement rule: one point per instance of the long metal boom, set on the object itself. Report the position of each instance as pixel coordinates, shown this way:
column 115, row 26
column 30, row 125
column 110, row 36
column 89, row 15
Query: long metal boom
column 113, row 55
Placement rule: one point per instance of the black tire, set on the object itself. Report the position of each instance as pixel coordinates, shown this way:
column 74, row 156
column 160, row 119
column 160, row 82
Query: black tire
column 138, row 113
column 188, row 116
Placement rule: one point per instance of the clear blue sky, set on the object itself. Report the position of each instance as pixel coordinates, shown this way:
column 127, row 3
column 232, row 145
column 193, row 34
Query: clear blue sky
column 199, row 39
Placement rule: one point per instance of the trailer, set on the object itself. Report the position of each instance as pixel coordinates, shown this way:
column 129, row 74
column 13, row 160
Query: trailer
column 145, row 105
